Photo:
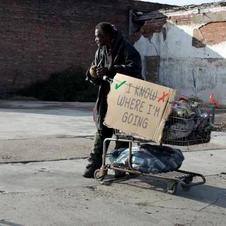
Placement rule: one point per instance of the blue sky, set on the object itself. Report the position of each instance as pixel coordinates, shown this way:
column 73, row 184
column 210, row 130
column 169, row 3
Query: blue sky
column 182, row 2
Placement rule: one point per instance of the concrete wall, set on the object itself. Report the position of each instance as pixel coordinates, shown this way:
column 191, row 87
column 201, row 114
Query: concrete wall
column 42, row 37
column 191, row 48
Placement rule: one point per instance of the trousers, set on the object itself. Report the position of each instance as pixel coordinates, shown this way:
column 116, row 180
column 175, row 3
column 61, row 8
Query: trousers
column 101, row 135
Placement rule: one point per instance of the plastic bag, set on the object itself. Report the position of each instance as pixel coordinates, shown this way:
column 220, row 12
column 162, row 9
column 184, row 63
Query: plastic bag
column 150, row 158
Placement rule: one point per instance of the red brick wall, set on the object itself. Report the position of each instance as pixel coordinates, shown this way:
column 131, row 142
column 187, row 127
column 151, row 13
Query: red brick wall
column 42, row 37
column 214, row 32
column 211, row 33
column 182, row 20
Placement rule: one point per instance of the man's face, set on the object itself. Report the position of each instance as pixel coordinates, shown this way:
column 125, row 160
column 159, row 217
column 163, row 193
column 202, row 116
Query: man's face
column 100, row 38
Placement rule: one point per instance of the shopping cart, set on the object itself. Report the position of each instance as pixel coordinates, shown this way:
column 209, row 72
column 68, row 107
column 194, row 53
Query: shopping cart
column 172, row 179
column 186, row 179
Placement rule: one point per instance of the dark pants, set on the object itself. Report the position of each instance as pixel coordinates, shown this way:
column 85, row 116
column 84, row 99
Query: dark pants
column 101, row 135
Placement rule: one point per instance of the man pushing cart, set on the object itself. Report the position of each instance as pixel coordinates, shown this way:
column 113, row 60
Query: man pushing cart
column 141, row 112
column 144, row 113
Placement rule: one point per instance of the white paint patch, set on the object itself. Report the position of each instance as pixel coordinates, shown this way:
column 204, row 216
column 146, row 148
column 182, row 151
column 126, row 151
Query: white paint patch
column 192, row 71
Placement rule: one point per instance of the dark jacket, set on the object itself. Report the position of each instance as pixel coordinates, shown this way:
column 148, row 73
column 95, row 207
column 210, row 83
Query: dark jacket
column 124, row 59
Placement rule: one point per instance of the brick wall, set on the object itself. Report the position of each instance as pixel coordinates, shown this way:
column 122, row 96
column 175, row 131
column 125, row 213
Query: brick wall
column 210, row 33
column 42, row 37
column 181, row 20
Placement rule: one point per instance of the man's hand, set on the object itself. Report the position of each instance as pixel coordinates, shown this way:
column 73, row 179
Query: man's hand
column 101, row 71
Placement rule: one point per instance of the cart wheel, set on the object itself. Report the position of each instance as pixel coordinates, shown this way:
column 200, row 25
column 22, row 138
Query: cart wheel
column 99, row 174
column 132, row 175
column 172, row 188
column 187, row 180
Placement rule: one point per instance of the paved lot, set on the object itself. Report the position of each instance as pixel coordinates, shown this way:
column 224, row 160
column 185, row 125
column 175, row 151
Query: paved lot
column 50, row 192
column 55, row 193
column 32, row 119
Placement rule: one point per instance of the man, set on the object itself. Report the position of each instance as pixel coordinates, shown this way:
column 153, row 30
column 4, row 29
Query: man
column 114, row 55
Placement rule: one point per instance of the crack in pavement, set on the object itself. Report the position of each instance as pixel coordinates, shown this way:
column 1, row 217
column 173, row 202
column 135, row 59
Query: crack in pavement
column 208, row 205
column 50, row 160
column 54, row 136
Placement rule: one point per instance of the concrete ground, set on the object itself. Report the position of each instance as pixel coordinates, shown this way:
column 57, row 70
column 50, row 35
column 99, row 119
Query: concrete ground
column 43, row 146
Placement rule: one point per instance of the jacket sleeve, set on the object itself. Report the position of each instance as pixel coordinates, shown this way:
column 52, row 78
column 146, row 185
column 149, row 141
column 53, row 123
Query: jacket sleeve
column 95, row 81
column 132, row 62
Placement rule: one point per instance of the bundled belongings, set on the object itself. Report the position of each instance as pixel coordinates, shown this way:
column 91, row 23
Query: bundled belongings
column 189, row 123
column 149, row 158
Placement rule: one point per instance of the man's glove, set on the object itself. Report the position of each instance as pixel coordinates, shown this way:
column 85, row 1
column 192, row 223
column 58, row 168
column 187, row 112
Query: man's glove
column 93, row 71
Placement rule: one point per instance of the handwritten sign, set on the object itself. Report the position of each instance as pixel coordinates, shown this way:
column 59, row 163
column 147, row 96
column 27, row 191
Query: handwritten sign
column 138, row 108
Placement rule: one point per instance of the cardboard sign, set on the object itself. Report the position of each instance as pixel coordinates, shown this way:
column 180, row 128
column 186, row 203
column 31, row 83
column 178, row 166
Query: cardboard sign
column 138, row 108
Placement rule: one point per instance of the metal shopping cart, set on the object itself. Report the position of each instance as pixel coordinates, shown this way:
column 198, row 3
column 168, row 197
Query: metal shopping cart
column 177, row 131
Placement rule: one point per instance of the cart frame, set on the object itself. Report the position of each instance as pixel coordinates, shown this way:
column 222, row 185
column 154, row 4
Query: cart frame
column 180, row 177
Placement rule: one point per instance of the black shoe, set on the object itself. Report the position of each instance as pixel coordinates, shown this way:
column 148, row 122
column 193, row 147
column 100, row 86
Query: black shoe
column 89, row 171
column 119, row 174
column 95, row 163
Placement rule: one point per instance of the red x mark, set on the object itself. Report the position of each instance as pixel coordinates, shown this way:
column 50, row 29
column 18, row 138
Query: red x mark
column 162, row 98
